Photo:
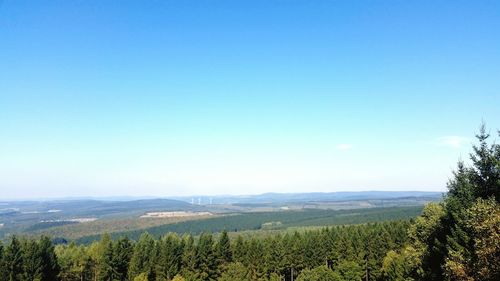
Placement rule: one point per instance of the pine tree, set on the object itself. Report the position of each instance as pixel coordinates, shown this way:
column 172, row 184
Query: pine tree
column 122, row 253
column 223, row 249
column 32, row 261
column 49, row 266
column 14, row 260
column 273, row 257
column 239, row 250
column 169, row 257
column 105, row 259
column 3, row 268
column 143, row 257
column 448, row 247
column 486, row 166
column 254, row 262
column 189, row 259
column 206, row 259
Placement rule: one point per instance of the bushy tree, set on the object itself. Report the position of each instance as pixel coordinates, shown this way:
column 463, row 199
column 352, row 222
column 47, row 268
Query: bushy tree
column 320, row 273
column 399, row 266
column 483, row 224
column 74, row 262
column 349, row 271
column 447, row 240
column 235, row 272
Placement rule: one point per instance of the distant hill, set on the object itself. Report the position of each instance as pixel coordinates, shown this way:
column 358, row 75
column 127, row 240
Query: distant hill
column 277, row 198
column 20, row 216
column 47, row 215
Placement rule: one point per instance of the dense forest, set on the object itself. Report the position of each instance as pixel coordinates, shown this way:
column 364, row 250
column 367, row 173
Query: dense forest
column 457, row 239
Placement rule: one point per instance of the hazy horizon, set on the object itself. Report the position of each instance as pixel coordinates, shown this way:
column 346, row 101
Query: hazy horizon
column 171, row 98
column 119, row 197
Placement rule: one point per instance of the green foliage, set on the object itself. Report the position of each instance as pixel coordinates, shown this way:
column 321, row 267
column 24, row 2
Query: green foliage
column 142, row 261
column 349, row 271
column 458, row 240
column 223, row 249
column 169, row 257
column 482, row 222
column 320, row 273
column 105, row 271
column 277, row 257
column 178, row 278
column 122, row 253
column 141, row 277
column 235, row 272
column 49, row 267
column 3, row 267
column 74, row 261
column 14, row 260
column 400, row 266
column 206, row 259
column 189, row 259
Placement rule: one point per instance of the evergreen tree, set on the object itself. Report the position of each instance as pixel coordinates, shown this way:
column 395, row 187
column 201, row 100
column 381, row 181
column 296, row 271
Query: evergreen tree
column 3, row 268
column 49, row 267
column 273, row 256
column 122, row 253
column 223, row 249
column 169, row 257
column 254, row 260
column 143, row 258
column 105, row 259
column 482, row 222
column 448, row 246
column 239, row 250
column 189, row 259
column 14, row 260
column 32, row 261
column 206, row 260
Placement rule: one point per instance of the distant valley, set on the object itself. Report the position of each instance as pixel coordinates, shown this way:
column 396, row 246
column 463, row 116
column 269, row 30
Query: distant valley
column 73, row 219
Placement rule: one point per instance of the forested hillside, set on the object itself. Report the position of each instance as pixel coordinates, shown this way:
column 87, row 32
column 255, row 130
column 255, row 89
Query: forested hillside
column 458, row 239
column 353, row 251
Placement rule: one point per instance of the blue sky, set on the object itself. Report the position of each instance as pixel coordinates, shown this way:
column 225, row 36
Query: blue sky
column 162, row 98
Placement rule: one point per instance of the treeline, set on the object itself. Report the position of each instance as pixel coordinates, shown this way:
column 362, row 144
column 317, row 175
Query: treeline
column 354, row 252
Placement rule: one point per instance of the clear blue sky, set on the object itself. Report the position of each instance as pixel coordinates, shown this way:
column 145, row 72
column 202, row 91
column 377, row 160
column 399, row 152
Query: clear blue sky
column 161, row 98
